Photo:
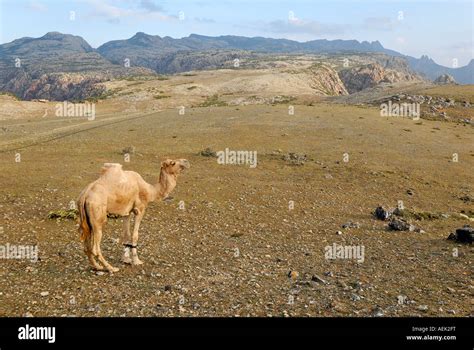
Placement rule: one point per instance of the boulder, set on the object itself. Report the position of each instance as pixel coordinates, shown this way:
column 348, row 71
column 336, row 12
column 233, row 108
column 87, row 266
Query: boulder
column 382, row 214
column 400, row 225
column 445, row 79
column 463, row 235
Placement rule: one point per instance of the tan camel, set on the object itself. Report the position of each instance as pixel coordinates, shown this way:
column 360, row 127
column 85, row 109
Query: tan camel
column 121, row 192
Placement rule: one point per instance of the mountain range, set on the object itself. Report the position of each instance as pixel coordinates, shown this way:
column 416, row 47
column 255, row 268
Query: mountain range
column 31, row 58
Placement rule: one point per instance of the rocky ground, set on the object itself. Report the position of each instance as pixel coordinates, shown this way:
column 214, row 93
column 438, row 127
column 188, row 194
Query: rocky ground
column 248, row 241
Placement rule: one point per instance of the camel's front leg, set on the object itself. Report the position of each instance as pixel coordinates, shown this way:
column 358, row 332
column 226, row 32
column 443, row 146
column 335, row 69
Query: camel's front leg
column 126, row 240
column 138, row 218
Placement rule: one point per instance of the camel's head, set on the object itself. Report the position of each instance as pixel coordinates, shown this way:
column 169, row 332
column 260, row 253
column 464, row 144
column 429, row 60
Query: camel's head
column 174, row 167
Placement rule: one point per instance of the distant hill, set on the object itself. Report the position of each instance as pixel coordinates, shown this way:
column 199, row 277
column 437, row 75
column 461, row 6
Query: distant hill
column 32, row 67
column 144, row 50
column 56, row 66
column 52, row 43
column 429, row 68
column 53, row 52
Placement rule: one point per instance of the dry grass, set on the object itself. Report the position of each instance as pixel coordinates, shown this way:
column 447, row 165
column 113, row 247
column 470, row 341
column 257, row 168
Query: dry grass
column 456, row 92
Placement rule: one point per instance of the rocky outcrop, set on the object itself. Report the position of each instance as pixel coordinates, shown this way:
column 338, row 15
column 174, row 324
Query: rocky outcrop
column 367, row 76
column 66, row 86
column 445, row 79
column 326, row 80
column 63, row 86
column 185, row 61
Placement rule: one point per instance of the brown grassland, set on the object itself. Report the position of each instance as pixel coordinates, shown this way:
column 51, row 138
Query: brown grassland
column 229, row 251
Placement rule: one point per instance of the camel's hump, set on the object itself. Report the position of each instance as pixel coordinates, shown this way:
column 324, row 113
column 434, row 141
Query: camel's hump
column 109, row 166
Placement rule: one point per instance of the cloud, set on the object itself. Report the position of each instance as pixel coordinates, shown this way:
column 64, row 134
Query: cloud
column 299, row 26
column 401, row 40
column 379, row 24
column 150, row 5
column 143, row 10
column 461, row 50
column 204, row 20
column 295, row 25
column 37, row 6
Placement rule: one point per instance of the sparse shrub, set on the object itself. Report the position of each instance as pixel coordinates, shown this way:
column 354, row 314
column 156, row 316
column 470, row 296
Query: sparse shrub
column 213, row 101
column 208, row 152
column 295, row 158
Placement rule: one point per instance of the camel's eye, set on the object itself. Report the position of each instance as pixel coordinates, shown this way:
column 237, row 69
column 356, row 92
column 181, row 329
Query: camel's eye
column 173, row 163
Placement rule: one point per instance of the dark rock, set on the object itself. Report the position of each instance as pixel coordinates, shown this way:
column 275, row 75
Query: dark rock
column 351, row 224
column 377, row 312
column 355, row 297
column 467, row 198
column 128, row 150
column 463, row 235
column 382, row 214
column 400, row 225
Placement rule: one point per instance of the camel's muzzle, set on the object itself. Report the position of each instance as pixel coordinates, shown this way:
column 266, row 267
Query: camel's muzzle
column 184, row 164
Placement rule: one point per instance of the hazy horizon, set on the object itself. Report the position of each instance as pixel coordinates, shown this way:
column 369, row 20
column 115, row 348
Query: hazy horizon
column 441, row 30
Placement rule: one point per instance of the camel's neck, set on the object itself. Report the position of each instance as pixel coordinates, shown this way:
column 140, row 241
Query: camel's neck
column 166, row 183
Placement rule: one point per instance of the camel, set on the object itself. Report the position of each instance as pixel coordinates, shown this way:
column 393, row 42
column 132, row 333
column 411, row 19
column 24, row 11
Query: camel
column 122, row 193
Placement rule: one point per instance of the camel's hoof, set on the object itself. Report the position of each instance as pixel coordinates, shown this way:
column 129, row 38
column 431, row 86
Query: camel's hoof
column 127, row 260
column 114, row 269
column 137, row 262
column 98, row 268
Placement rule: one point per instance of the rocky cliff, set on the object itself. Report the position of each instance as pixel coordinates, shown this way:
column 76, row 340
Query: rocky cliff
column 367, row 76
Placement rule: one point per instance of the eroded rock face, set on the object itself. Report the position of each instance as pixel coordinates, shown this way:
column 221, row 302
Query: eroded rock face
column 326, row 80
column 65, row 87
column 56, row 87
column 363, row 77
column 445, row 79
column 62, row 86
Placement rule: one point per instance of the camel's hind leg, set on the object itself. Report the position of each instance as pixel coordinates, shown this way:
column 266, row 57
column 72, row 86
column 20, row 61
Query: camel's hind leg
column 98, row 253
column 88, row 249
column 98, row 219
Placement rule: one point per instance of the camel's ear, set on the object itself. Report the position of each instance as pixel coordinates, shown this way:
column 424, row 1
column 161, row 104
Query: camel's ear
column 165, row 163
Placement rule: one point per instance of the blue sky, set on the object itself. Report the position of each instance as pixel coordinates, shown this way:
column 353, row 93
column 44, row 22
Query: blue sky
column 442, row 29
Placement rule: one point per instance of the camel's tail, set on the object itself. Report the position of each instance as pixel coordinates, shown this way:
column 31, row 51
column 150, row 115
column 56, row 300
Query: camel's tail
column 85, row 228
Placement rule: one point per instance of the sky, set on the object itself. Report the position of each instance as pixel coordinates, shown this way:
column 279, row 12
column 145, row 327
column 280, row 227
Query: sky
column 441, row 29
